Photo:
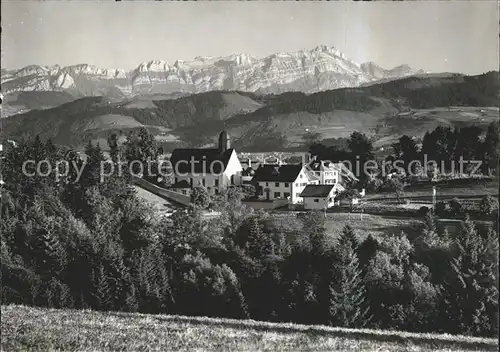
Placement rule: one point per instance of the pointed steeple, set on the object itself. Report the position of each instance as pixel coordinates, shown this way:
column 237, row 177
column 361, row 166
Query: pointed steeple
column 224, row 141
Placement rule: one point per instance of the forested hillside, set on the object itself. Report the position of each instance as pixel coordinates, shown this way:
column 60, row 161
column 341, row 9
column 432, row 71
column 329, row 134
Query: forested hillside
column 72, row 242
column 252, row 119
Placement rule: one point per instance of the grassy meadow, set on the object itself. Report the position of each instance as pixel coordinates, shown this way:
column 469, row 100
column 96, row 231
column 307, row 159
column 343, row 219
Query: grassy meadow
column 443, row 192
column 362, row 225
column 36, row 329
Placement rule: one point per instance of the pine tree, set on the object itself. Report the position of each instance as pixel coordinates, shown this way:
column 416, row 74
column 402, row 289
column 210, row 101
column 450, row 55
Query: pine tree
column 471, row 291
column 350, row 237
column 147, row 146
column 114, row 150
column 313, row 228
column 430, row 237
column 91, row 172
column 48, row 253
column 347, row 302
column 259, row 244
column 131, row 304
column 101, row 292
column 366, row 251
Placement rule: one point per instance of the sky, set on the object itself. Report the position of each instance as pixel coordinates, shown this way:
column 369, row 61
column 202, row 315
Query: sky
column 449, row 36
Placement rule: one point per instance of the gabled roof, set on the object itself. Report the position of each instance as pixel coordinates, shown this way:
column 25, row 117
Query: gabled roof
column 204, row 160
column 322, row 165
column 311, row 176
column 319, row 165
column 317, row 191
column 248, row 172
column 277, row 173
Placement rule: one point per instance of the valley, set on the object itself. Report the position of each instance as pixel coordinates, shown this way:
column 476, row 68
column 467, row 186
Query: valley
column 268, row 122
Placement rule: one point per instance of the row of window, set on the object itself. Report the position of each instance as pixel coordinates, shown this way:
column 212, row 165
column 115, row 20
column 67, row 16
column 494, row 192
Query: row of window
column 316, row 200
column 278, row 195
column 277, row 184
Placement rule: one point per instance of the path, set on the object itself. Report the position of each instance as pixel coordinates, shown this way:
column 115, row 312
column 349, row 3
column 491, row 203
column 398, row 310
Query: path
column 163, row 206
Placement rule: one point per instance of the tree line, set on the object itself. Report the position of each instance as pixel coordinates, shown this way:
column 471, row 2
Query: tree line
column 92, row 244
column 444, row 146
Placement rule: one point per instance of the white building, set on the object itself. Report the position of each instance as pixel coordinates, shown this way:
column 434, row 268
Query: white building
column 282, row 182
column 215, row 169
column 319, row 196
column 330, row 173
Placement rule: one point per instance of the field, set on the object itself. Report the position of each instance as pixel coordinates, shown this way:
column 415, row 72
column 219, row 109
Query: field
column 36, row 329
column 443, row 192
column 362, row 225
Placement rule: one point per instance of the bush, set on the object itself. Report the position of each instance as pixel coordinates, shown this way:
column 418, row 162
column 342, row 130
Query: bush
column 440, row 208
column 456, row 206
column 488, row 205
column 374, row 185
column 423, row 210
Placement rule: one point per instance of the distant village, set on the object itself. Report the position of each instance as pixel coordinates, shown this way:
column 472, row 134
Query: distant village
column 306, row 184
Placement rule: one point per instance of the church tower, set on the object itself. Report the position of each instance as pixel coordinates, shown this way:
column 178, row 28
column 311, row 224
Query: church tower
column 224, row 141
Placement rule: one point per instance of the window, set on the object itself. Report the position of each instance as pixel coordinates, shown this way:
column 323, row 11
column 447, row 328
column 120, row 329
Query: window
column 300, row 175
column 191, row 182
column 184, row 191
column 296, row 185
column 216, row 183
column 267, row 184
column 318, row 173
column 175, row 179
column 203, row 182
column 286, row 195
column 277, row 194
column 316, row 201
column 276, row 184
column 287, row 184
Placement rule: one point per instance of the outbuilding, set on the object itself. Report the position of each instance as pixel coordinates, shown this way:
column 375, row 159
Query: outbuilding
column 318, row 196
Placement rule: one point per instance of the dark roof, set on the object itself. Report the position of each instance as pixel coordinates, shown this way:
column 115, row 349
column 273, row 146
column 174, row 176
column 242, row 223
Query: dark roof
column 181, row 184
column 340, row 167
column 276, row 173
column 316, row 165
column 208, row 160
column 316, row 191
column 248, row 172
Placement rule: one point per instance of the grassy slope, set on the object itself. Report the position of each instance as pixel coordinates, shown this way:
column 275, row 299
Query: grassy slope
column 29, row 329
column 376, row 225
column 424, row 192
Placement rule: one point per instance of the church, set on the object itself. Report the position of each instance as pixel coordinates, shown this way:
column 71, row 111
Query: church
column 213, row 168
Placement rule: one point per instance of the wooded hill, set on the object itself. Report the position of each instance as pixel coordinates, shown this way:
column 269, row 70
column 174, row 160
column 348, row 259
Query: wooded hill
column 274, row 122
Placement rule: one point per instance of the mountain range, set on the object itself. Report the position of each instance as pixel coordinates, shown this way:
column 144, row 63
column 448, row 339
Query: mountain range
column 321, row 68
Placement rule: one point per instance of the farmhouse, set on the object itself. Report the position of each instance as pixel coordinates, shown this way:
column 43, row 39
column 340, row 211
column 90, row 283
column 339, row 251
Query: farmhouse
column 330, row 173
column 319, row 196
column 215, row 169
column 282, row 182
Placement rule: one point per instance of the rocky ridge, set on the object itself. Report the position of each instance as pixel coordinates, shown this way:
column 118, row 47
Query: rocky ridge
column 321, row 68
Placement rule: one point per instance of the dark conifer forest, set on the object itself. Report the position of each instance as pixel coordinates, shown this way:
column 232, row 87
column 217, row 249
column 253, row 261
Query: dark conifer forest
column 92, row 244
